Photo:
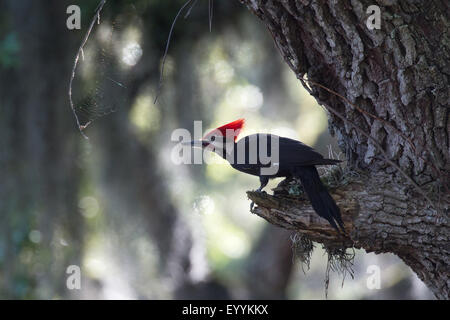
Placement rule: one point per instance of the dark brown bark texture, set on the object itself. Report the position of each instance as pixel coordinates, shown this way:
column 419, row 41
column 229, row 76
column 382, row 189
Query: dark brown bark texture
column 391, row 121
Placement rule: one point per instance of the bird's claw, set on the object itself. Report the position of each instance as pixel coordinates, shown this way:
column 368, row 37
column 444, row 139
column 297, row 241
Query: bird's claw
column 252, row 205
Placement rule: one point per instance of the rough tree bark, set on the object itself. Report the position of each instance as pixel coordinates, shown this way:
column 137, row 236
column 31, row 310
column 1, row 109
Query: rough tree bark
column 387, row 94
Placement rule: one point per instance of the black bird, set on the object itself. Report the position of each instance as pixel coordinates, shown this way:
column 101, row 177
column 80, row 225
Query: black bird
column 269, row 156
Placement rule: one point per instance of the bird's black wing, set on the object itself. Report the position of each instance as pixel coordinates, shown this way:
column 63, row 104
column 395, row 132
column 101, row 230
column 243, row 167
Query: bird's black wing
column 293, row 152
column 284, row 152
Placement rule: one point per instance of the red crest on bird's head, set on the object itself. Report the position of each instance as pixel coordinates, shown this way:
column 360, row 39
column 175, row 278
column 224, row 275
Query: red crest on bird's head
column 231, row 129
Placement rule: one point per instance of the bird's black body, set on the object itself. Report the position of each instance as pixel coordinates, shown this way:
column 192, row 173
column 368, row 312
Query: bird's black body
column 295, row 160
column 269, row 156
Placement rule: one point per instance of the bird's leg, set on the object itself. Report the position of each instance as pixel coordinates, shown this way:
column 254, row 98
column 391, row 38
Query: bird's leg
column 264, row 180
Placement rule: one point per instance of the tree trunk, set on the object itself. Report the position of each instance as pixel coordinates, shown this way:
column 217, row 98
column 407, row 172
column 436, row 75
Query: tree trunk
column 387, row 94
column 39, row 156
column 270, row 260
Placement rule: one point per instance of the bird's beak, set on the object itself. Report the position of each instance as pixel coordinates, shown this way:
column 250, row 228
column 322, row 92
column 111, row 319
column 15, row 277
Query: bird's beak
column 196, row 143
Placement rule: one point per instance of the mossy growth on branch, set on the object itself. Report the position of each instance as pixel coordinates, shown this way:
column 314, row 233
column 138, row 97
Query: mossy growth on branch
column 340, row 260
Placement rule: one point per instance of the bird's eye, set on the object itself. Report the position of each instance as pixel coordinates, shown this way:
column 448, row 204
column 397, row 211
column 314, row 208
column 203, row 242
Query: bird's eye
column 213, row 138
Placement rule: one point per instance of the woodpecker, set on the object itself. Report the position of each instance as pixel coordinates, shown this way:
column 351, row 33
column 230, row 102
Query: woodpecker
column 270, row 156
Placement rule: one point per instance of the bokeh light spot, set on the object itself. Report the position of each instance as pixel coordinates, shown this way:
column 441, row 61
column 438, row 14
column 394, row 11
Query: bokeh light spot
column 35, row 236
column 89, row 207
column 131, row 54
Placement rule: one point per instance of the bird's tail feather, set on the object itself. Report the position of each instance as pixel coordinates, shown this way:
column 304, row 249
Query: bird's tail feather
column 321, row 200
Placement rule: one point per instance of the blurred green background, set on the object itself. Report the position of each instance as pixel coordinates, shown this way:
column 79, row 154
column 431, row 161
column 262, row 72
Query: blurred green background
column 139, row 226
